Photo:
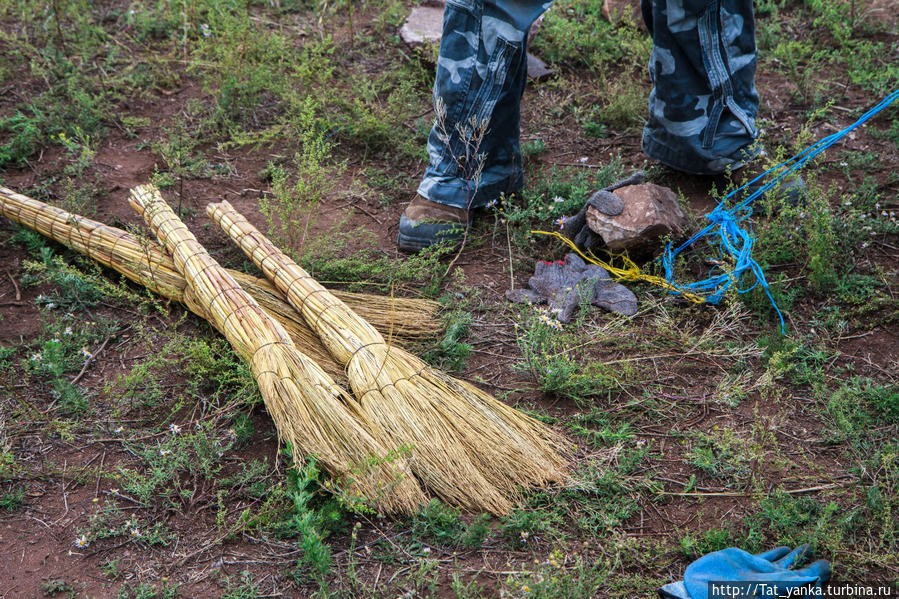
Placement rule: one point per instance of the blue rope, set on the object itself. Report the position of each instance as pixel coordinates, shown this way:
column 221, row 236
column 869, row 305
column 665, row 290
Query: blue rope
column 736, row 242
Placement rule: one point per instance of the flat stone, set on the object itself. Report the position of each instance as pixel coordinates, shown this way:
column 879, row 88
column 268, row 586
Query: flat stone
column 425, row 25
column 650, row 212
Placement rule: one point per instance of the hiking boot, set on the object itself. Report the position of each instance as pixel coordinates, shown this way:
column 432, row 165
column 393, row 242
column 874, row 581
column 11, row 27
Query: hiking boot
column 425, row 223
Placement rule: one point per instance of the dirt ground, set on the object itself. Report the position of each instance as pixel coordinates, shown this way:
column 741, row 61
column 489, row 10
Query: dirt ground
column 703, row 428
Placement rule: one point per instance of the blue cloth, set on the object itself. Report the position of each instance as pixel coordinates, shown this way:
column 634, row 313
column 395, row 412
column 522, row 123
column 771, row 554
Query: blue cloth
column 702, row 107
column 768, row 574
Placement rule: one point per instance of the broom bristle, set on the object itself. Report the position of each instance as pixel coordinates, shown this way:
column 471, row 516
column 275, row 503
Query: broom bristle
column 310, row 411
column 494, row 449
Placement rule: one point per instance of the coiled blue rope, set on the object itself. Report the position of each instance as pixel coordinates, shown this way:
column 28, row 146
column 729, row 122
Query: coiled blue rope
column 736, row 242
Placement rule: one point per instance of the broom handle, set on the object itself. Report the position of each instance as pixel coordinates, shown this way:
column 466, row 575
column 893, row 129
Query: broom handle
column 146, row 263
column 343, row 335
column 142, row 262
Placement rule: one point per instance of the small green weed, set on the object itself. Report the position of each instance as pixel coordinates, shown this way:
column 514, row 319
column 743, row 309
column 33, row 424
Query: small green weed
column 242, row 588
column 12, row 500
column 451, row 353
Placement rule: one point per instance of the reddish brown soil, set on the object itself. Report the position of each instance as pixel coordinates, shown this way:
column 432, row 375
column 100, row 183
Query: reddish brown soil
column 36, row 542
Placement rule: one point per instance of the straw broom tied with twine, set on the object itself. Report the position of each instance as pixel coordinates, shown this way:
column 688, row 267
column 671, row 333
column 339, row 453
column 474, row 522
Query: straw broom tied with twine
column 310, row 411
column 144, row 262
column 467, row 447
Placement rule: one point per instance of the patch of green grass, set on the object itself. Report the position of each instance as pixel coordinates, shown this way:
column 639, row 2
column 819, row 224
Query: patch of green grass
column 859, row 405
column 243, row 588
column 452, row 352
column 292, row 207
column 551, row 580
column 599, row 430
column 441, row 524
column 12, row 500
column 784, row 519
column 796, row 361
column 575, row 34
column 721, row 454
column 695, row 546
column 547, row 356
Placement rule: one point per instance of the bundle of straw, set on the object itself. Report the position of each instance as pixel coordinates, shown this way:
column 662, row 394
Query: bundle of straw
column 468, row 448
column 310, row 411
column 144, row 262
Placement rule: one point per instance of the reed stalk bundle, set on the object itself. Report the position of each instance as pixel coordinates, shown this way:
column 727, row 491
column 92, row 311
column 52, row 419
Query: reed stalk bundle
column 467, row 447
column 310, row 411
column 144, row 262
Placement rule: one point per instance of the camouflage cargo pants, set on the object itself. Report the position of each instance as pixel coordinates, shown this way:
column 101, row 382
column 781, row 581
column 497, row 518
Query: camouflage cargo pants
column 702, row 107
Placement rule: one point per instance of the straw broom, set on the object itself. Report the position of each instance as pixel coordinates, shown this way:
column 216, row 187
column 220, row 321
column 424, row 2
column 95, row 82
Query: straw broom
column 310, row 411
column 468, row 448
column 144, row 262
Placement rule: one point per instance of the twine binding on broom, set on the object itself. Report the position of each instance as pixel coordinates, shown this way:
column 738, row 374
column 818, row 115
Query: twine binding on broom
column 310, row 411
column 468, row 448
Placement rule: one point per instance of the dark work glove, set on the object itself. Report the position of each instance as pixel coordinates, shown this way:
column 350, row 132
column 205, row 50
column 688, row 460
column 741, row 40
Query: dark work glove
column 563, row 284
column 767, row 574
column 575, row 227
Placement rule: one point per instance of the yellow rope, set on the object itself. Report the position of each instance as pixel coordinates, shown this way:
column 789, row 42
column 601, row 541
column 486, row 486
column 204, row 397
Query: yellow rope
column 630, row 272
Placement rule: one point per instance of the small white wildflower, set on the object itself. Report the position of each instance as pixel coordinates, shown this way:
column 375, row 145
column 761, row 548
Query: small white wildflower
column 844, row 164
column 558, row 199
column 164, row 452
column 204, row 29
column 174, row 428
column 36, row 357
column 87, row 354
column 426, row 550
column 68, row 331
column 524, row 536
column 50, row 305
column 584, row 159
column 135, row 532
column 118, row 430
column 81, row 541
column 55, row 340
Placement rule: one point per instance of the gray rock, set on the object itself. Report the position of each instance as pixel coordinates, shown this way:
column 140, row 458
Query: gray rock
column 649, row 212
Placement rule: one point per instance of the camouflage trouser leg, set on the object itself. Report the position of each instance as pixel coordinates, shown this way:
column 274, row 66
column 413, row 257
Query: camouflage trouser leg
column 703, row 105
column 481, row 74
